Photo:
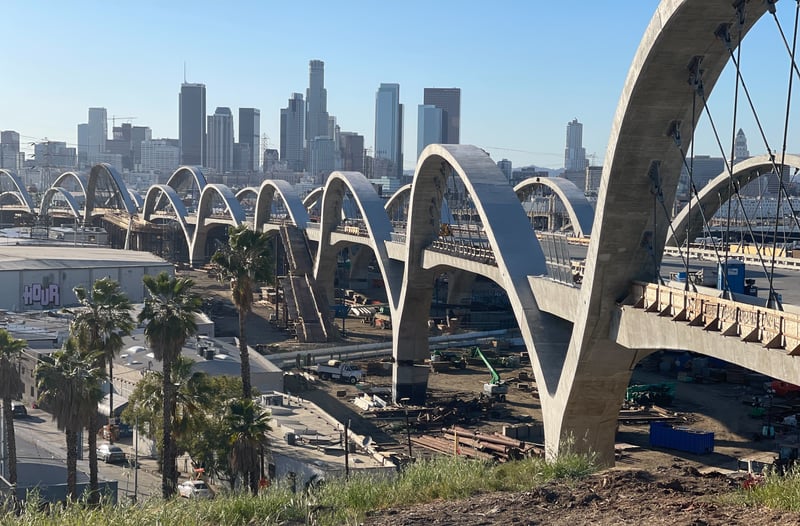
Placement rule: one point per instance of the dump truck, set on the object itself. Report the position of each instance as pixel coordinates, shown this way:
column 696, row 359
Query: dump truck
column 337, row 370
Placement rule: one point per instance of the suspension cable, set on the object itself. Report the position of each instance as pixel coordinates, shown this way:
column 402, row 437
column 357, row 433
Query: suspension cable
column 701, row 92
column 783, row 154
column 723, row 34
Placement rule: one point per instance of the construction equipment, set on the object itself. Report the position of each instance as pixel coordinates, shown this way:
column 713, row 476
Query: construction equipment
column 496, row 388
column 456, row 359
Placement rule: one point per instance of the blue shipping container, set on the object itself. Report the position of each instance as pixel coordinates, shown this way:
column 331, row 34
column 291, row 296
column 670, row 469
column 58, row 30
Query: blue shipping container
column 681, row 438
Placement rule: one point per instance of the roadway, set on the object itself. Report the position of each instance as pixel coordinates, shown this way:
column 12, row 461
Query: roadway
column 38, row 439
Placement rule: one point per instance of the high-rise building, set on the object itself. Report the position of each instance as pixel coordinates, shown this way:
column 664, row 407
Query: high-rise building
column 429, row 126
column 9, row 150
column 162, row 155
column 192, row 124
column 740, row 146
column 220, row 140
column 293, row 119
column 449, row 101
column 593, row 176
column 83, row 145
column 97, row 133
column 351, row 146
column 271, row 160
column 139, row 134
column 507, row 168
column 250, row 134
column 575, row 154
column 322, row 158
column 389, row 130
column 317, row 102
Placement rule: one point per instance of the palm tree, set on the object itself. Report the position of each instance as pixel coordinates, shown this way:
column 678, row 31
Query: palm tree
column 169, row 316
column 69, row 383
column 249, row 428
column 101, row 323
column 244, row 262
column 10, row 387
column 99, row 326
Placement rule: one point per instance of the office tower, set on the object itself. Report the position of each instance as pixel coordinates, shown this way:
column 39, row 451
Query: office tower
column 322, row 158
column 388, row 131
column 242, row 157
column 192, row 124
column 740, row 146
column 507, row 169
column 55, row 154
column 293, row 119
column 9, row 150
column 317, row 102
column 449, row 101
column 97, row 133
column 593, row 176
column 220, row 140
column 83, row 145
column 575, row 153
column 429, row 126
column 162, row 155
column 139, row 134
column 250, row 134
column 351, row 147
column 271, row 160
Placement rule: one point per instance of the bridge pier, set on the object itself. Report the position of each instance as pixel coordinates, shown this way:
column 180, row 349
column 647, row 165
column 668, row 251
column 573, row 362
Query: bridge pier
column 410, row 381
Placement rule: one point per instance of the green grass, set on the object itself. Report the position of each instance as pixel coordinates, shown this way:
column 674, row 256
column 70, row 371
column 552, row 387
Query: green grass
column 779, row 492
column 335, row 502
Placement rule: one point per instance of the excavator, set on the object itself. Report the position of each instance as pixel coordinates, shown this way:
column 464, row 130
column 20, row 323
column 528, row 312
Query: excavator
column 496, row 389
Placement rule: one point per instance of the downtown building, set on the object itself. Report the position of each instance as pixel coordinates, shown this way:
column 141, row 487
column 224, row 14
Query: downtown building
column 10, row 156
column 192, row 124
column 388, row 153
column 250, row 135
column 293, row 119
column 575, row 161
column 219, row 153
column 448, row 100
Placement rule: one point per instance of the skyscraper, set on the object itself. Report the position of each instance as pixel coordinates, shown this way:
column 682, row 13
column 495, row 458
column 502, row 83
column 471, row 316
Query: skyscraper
column 220, row 140
column 575, row 153
column 317, row 101
column 351, row 147
column 97, row 133
column 9, row 150
column 389, row 129
column 293, row 119
column 83, row 145
column 429, row 126
column 740, row 146
column 507, row 168
column 192, row 124
column 250, row 133
column 449, row 101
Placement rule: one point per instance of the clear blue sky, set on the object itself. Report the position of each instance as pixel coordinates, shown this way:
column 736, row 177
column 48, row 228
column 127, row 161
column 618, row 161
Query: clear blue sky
column 525, row 68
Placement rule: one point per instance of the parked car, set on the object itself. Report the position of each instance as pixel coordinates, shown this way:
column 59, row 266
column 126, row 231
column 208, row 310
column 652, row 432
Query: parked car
column 18, row 409
column 195, row 489
column 110, row 453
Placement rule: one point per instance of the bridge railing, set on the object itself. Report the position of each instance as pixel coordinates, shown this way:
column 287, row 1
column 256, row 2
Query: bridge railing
column 771, row 328
column 474, row 252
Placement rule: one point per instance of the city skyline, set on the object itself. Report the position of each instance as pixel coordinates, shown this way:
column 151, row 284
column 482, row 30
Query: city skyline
column 519, row 87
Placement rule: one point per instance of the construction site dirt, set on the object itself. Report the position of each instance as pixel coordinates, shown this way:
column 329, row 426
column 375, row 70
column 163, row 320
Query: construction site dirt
column 744, row 420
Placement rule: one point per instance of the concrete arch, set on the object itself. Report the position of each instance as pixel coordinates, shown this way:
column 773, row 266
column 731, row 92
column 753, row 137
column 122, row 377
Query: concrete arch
column 397, row 198
column 311, row 200
column 375, row 220
column 579, row 209
column 718, row 191
column 22, row 193
column 191, row 176
column 508, row 230
column 72, row 203
column 205, row 220
column 286, row 192
column 136, row 198
column 78, row 178
column 246, row 191
column 160, row 191
column 627, row 241
column 116, row 184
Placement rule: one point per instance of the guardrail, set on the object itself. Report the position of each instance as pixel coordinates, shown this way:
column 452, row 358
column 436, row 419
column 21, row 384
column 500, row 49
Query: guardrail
column 751, row 259
column 771, row 328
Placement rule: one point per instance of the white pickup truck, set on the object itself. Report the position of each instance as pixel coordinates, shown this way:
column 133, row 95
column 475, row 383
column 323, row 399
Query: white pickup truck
column 338, row 370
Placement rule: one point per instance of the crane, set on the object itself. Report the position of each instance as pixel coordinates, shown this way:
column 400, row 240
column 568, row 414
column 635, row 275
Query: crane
column 114, row 119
